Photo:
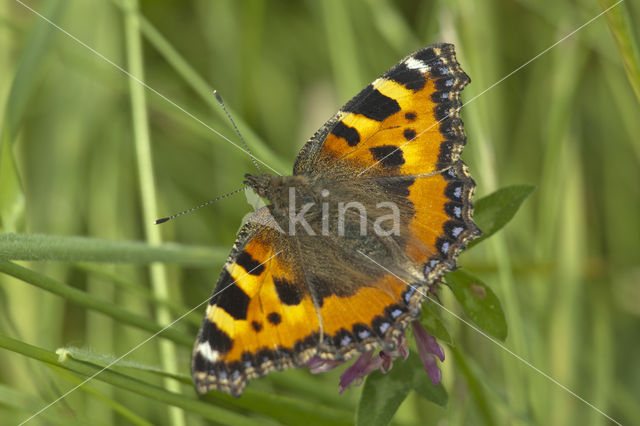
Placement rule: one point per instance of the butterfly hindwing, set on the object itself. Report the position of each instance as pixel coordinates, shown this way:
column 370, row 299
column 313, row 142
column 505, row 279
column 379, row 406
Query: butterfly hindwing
column 270, row 313
column 260, row 318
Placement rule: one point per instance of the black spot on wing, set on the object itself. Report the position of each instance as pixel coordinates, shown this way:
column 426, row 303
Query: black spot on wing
column 249, row 264
column 288, row 293
column 372, row 104
column 425, row 55
column 309, row 342
column 199, row 363
column 388, row 155
column 323, row 287
column 347, row 133
column 409, row 134
column 256, row 326
column 233, row 300
column 412, row 79
column 274, row 318
column 224, row 281
column 397, row 186
column 217, row 339
column 411, row 116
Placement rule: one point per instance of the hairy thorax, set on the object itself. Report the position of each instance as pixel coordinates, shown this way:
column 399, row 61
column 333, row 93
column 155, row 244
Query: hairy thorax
column 314, row 206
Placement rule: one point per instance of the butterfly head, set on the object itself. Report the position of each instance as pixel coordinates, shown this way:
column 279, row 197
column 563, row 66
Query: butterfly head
column 277, row 189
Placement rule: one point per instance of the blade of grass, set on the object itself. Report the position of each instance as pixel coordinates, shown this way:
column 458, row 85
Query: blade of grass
column 100, row 359
column 12, row 200
column 28, row 74
column 89, row 302
column 159, row 279
column 565, row 313
column 145, row 294
column 556, row 163
column 121, row 381
column 31, row 67
column 603, row 369
column 619, row 22
column 83, row 249
column 477, row 391
column 11, row 399
column 200, row 86
column 285, row 409
column 393, row 26
column 118, row 408
column 342, row 47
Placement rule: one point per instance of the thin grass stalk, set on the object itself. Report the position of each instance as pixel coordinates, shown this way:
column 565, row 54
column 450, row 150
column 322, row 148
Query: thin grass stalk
column 159, row 279
column 625, row 35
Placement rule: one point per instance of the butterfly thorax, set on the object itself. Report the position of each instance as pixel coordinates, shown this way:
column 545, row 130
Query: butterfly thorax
column 311, row 205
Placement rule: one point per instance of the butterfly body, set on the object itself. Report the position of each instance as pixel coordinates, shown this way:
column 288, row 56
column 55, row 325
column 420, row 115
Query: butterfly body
column 378, row 198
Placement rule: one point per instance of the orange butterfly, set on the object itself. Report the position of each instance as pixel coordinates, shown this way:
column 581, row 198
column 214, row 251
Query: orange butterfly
column 378, row 198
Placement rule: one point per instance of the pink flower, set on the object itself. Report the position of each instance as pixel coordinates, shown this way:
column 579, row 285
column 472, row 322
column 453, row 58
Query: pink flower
column 428, row 350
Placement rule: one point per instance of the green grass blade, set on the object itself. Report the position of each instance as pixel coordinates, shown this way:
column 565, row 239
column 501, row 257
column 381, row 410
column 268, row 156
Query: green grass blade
column 31, row 66
column 108, row 401
column 121, row 381
column 624, row 33
column 19, row 405
column 135, row 288
column 342, row 47
column 89, row 302
column 159, row 278
column 12, row 201
column 100, row 359
column 83, row 249
column 476, row 389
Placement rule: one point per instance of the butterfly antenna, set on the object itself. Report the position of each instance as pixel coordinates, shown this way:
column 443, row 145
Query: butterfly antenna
column 206, row 203
column 224, row 108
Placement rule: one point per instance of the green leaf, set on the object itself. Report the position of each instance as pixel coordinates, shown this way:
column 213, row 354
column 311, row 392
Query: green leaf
column 382, row 394
column 479, row 302
column 495, row 210
column 431, row 321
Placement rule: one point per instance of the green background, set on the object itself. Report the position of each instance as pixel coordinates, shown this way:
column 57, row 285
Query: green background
column 85, row 151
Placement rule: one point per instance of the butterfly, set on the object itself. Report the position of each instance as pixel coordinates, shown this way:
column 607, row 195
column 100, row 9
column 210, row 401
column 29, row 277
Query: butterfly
column 378, row 198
